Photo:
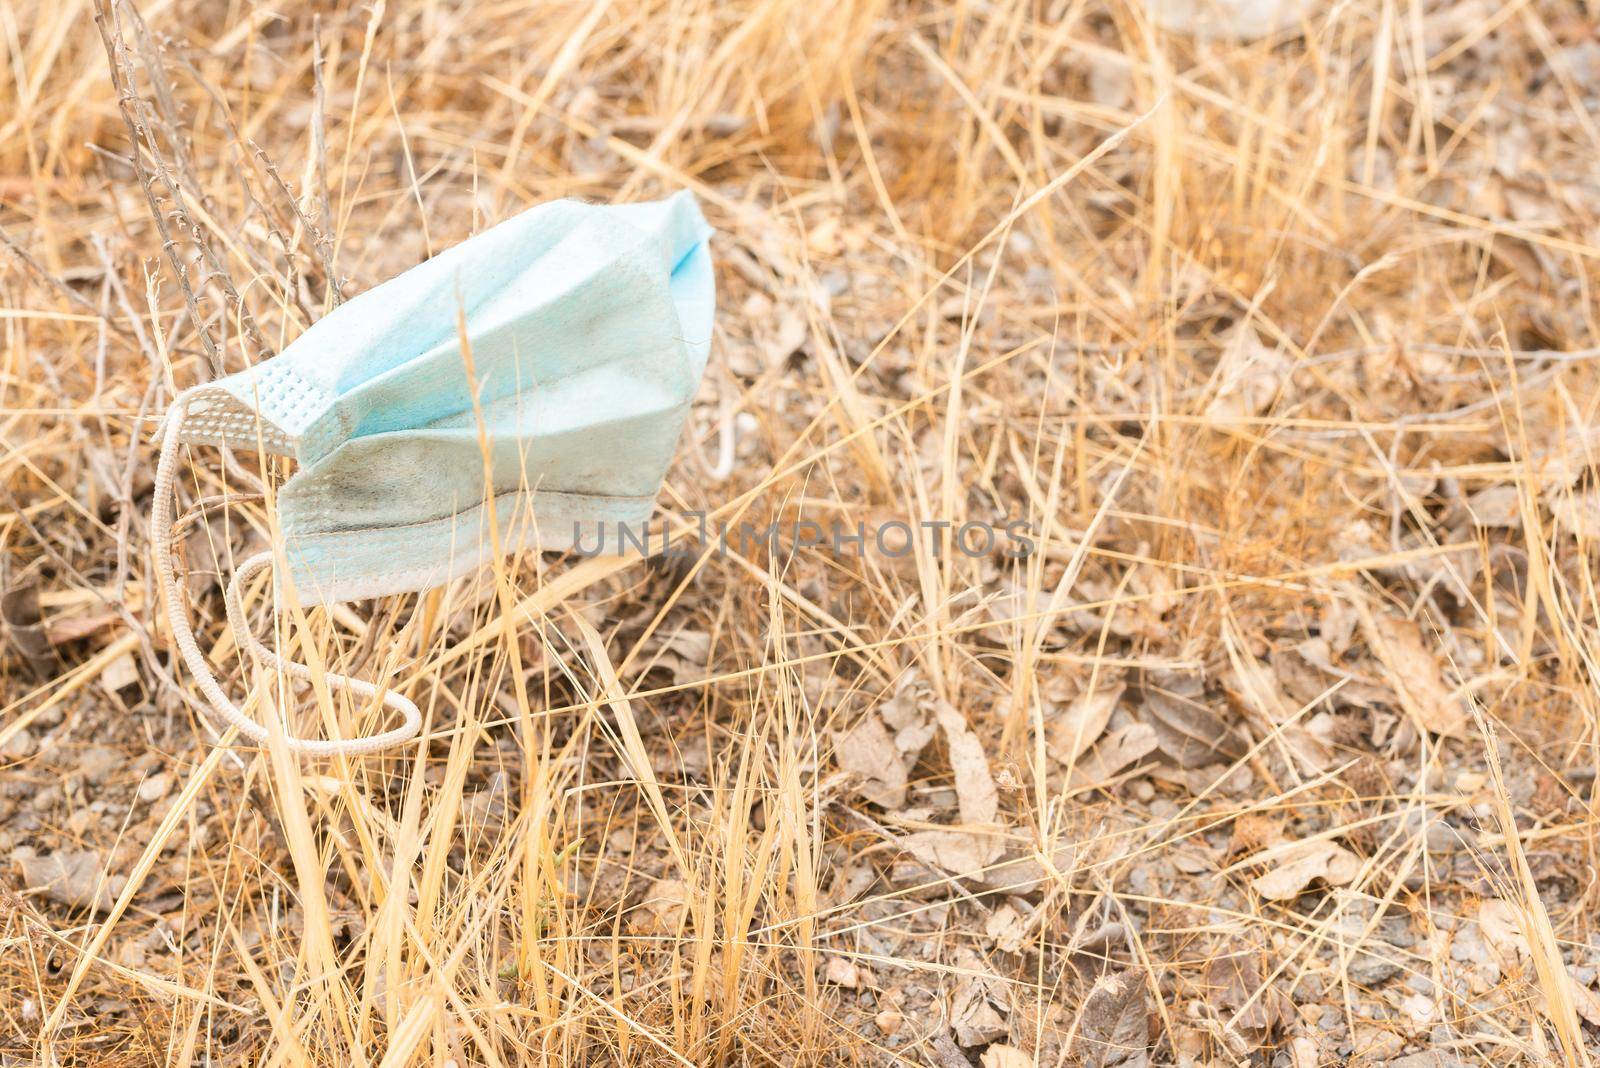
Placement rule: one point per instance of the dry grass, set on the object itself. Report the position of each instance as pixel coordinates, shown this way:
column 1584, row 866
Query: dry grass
column 1286, row 348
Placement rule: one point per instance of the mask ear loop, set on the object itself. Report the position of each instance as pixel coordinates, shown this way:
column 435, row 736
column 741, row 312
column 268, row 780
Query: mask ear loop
column 183, row 635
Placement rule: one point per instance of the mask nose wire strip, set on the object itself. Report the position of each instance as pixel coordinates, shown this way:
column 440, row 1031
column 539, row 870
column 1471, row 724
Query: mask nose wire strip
column 183, row 635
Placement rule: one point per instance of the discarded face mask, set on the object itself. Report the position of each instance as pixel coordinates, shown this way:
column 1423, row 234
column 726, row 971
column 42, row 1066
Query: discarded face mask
column 587, row 329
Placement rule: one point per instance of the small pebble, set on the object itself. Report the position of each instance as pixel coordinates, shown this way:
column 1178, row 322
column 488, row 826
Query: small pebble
column 842, row 972
column 1420, row 1009
column 155, row 787
column 22, row 744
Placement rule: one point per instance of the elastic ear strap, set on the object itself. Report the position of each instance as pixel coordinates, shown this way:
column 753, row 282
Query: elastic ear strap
column 161, row 534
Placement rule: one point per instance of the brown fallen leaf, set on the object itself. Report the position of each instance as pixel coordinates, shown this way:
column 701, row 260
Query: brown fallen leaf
column 1498, row 507
column 1248, row 375
column 1115, row 1023
column 963, row 851
column 1233, row 982
column 1001, row 1055
column 1415, row 674
column 1189, row 731
column 1502, row 930
column 1007, row 927
column 663, row 909
column 1255, row 687
column 869, row 754
column 1116, row 751
column 76, row 878
column 841, row 971
column 976, row 1003
column 1295, row 868
column 119, row 674
column 1578, row 513
column 1029, row 872
column 22, row 630
column 1071, row 731
column 63, row 629
column 1586, row 1001
column 976, row 794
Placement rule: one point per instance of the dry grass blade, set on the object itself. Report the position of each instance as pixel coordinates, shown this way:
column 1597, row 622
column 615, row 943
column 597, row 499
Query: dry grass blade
column 633, row 751
column 1151, row 498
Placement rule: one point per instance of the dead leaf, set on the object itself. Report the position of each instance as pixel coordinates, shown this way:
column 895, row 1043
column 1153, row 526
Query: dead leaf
column 1249, row 374
column 1115, row 1023
column 1188, row 731
column 1233, row 982
column 1502, row 930
column 842, row 972
column 1001, row 1055
column 1294, row 869
column 24, row 634
column 1586, row 1001
column 1071, row 731
column 976, row 794
column 868, row 753
column 685, row 654
column 1415, row 674
column 1006, row 926
column 663, row 909
column 1578, row 513
column 963, row 853
column 119, row 674
column 76, row 878
column 64, row 629
column 1255, row 687
column 1117, row 750
column 1497, row 507
column 1028, row 873
column 974, row 1007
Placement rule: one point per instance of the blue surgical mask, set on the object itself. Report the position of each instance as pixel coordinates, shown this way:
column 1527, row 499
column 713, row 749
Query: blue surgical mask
column 588, row 328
